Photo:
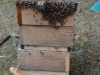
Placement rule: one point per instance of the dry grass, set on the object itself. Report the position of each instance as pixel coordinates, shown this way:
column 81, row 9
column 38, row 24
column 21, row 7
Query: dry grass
column 85, row 59
column 8, row 25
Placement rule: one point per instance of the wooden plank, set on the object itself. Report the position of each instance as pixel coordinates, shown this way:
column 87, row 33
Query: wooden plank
column 20, row 34
column 43, row 60
column 47, row 36
column 28, row 72
column 19, row 15
column 67, row 64
column 30, row 17
column 45, row 48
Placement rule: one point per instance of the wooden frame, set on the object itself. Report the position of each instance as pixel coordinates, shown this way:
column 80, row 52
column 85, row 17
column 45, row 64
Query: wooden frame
column 19, row 15
column 58, row 49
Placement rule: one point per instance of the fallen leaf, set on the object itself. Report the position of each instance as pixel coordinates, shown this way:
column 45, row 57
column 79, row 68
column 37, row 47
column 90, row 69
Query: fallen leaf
column 14, row 71
column 76, row 36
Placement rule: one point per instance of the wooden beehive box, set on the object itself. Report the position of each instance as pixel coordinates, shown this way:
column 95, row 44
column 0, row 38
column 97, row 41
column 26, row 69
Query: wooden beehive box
column 46, row 36
column 44, row 59
column 34, row 30
column 30, row 17
column 43, row 44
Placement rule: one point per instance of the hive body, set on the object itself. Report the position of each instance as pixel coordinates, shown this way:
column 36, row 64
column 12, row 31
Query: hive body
column 43, row 60
column 46, row 36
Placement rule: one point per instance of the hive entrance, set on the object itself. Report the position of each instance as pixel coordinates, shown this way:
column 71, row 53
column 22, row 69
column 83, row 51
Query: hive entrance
column 51, row 10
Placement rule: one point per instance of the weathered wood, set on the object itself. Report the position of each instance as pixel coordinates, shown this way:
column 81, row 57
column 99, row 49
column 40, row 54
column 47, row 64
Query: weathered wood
column 67, row 63
column 46, row 36
column 19, row 15
column 28, row 72
column 21, row 34
column 30, row 17
column 46, row 48
column 43, row 60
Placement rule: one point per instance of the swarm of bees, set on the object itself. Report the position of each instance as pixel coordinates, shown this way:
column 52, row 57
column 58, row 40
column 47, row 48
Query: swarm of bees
column 53, row 11
column 24, row 4
column 58, row 12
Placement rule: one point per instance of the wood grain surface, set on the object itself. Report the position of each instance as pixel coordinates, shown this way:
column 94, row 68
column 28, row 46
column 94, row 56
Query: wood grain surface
column 30, row 17
column 63, row 49
column 28, row 72
column 19, row 15
column 46, row 36
column 43, row 60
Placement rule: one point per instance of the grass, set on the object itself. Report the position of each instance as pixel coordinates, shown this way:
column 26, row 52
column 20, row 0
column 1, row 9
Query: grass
column 85, row 59
column 8, row 25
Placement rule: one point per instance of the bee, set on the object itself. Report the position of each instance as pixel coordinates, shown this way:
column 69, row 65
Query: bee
column 17, row 2
column 36, row 20
column 34, row 15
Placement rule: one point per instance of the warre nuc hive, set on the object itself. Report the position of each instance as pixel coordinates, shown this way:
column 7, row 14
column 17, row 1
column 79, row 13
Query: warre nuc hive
column 46, row 30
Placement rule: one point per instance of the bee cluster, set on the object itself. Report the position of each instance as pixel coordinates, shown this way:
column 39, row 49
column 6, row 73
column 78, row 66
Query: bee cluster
column 53, row 11
column 58, row 11
column 24, row 4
